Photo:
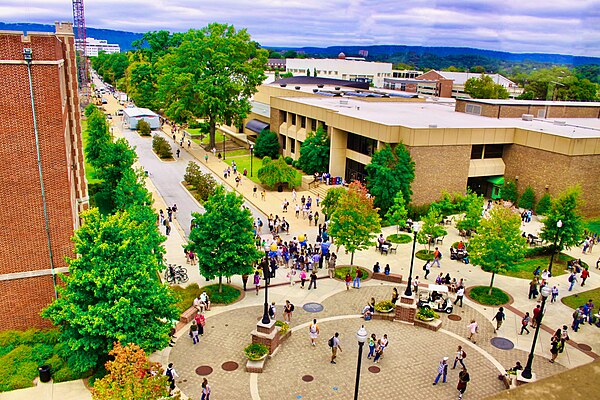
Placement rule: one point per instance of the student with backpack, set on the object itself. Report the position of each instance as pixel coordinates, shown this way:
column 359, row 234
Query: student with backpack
column 334, row 343
column 313, row 331
column 287, row 311
column 437, row 256
column 499, row 317
column 524, row 323
column 460, row 356
column 171, row 375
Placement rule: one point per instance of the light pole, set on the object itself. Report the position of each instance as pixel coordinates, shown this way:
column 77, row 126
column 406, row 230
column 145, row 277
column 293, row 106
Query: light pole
column 223, row 146
column 408, row 292
column 251, row 157
column 265, row 318
column 559, row 225
column 361, row 336
column 527, row 371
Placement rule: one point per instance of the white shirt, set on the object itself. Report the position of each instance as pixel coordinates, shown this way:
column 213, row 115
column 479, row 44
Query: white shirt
column 460, row 292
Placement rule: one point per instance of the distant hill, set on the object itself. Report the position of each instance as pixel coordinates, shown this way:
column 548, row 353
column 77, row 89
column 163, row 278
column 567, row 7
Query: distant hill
column 122, row 38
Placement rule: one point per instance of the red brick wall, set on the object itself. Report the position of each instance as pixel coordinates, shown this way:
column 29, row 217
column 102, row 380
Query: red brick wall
column 23, row 240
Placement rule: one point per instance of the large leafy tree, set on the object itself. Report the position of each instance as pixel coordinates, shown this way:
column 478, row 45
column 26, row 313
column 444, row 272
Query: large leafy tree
column 484, row 87
column 223, row 237
column 398, row 212
column 355, row 221
column 314, row 152
column 211, row 75
column 331, row 200
column 113, row 292
column 115, row 160
column 267, row 144
column 474, row 207
column 131, row 376
column 390, row 171
column 431, row 228
column 98, row 136
column 498, row 244
column 565, row 207
column 274, row 172
column 559, row 83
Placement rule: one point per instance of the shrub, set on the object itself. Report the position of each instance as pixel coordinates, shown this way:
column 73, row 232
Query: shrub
column 143, row 128
column 544, row 205
column 285, row 327
column 415, row 212
column 527, row 199
column 426, row 313
column 203, row 184
column 509, row 191
column 275, row 172
column 161, row 147
column 289, row 160
column 497, row 298
column 340, row 272
column 384, row 306
column 256, row 351
column 185, row 296
column 267, row 144
column 228, row 295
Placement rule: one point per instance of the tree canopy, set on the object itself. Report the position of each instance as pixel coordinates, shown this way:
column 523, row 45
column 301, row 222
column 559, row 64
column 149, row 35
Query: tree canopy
column 355, row 221
column 112, row 292
column 559, row 83
column 267, row 144
column 498, row 244
column 331, row 200
column 390, row 171
column 565, row 207
column 314, row 152
column 431, row 228
column 274, row 172
column 484, row 87
column 223, row 237
column 211, row 74
column 398, row 212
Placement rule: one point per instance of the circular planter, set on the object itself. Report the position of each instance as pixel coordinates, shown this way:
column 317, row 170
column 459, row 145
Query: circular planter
column 386, row 311
column 426, row 319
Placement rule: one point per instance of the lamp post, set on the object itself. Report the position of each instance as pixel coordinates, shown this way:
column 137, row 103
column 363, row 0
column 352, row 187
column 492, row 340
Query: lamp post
column 408, row 292
column 265, row 318
column 527, row 371
column 251, row 157
column 361, row 336
column 223, row 146
column 559, row 225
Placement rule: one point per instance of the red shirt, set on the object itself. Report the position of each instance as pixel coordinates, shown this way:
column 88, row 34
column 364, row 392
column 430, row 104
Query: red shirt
column 584, row 274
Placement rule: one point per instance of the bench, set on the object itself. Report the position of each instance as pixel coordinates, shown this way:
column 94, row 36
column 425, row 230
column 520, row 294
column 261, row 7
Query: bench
column 396, row 278
column 188, row 315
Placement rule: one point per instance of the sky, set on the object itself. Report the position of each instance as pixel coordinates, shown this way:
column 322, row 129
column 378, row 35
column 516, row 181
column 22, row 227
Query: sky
column 519, row 26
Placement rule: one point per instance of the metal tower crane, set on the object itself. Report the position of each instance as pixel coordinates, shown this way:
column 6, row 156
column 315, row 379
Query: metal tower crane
column 80, row 43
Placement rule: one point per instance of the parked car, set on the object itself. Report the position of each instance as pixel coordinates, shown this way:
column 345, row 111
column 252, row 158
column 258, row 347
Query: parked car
column 120, row 112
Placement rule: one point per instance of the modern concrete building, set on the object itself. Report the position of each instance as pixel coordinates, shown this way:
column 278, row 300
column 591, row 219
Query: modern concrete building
column 42, row 174
column 346, row 68
column 132, row 115
column 452, row 147
column 94, row 46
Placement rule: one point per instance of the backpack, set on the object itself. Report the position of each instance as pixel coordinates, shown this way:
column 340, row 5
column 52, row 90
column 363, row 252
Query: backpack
column 439, row 255
column 464, row 354
column 169, row 373
column 330, row 342
column 291, row 307
column 571, row 278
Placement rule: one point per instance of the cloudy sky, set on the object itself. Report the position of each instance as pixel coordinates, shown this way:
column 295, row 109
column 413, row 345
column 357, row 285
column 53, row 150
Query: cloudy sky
column 543, row 26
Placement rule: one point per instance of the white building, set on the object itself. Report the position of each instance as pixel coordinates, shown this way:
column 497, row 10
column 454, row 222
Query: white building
column 351, row 69
column 95, row 46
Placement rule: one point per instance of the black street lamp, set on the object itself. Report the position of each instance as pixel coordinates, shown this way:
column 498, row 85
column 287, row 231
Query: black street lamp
column 361, row 336
column 251, row 157
column 559, row 225
column 527, row 371
column 408, row 292
column 265, row 318
column 223, row 146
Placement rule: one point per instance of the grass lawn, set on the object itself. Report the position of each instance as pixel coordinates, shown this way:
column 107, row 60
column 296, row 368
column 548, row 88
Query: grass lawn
column 425, row 255
column 592, row 225
column 340, row 272
column 400, row 238
column 90, row 173
column 242, row 162
column 218, row 136
column 577, row 300
column 525, row 268
column 185, row 295
column 480, row 294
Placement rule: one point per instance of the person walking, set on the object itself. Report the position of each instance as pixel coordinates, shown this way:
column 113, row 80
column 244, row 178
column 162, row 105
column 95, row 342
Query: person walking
column 313, row 279
column 244, row 280
column 194, row 332
column 427, row 269
column 288, row 309
column 302, row 278
column 554, row 344
column 473, row 329
column 331, row 266
column 313, row 332
column 256, row 281
column 536, row 316
column 524, row 322
column 205, row 390
column 356, row 282
column 460, row 292
column 554, row 294
column 415, row 284
column 437, row 256
column 442, row 371
column 379, row 348
column 335, row 346
column 372, row 344
column 463, row 379
column 348, row 279
column 460, row 356
column 584, row 275
column 171, row 376
column 572, row 280
column 499, row 317
column 167, row 224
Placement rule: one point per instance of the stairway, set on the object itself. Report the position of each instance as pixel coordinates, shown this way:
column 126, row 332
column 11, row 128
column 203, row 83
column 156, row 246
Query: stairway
column 321, row 190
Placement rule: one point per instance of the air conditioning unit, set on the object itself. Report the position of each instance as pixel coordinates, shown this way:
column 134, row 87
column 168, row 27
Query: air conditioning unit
column 433, row 126
column 527, row 117
column 344, row 102
column 560, row 123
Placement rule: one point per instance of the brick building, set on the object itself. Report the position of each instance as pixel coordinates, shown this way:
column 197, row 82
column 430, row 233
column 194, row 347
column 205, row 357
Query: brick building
column 42, row 172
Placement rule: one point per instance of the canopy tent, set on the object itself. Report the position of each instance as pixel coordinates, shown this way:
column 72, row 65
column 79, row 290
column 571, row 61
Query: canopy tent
column 257, row 126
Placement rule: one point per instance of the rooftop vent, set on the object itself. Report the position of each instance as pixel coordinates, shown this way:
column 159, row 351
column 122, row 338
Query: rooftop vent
column 337, row 88
column 320, row 86
column 527, row 117
column 297, row 88
column 432, row 126
column 283, row 84
column 315, row 90
column 560, row 123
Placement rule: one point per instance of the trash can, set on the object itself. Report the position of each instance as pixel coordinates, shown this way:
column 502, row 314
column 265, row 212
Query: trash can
column 44, row 373
column 280, row 188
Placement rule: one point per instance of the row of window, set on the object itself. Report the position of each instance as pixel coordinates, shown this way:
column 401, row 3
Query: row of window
column 480, row 151
column 293, row 118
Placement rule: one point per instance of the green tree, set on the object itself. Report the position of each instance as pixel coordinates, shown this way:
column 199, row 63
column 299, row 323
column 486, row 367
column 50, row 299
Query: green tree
column 131, row 190
column 431, row 228
column 485, row 88
column 143, row 127
column 527, row 199
column 565, row 207
column 287, row 75
column 498, row 244
column 131, row 376
column 559, row 83
column 274, row 172
column 142, row 84
column 544, row 205
column 112, row 292
column 472, row 217
column 290, row 54
column 98, row 136
column 204, row 184
column 331, row 201
column 223, row 237
column 390, row 171
column 315, row 72
column 509, row 191
column 397, row 213
column 161, row 147
column 314, row 152
column 211, row 75
column 355, row 221
column 267, row 144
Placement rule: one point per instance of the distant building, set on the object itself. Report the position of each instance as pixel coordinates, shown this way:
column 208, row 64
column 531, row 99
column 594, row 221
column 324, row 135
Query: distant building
column 93, row 47
column 132, row 115
column 345, row 68
column 363, row 53
column 276, row 63
column 42, row 175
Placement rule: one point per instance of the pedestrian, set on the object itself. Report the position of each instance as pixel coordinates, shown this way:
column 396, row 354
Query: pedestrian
column 287, row 311
column 256, row 281
column 206, row 158
column 442, row 371
column 372, row 343
column 167, row 226
column 554, row 294
column 460, row 292
column 331, row 266
column 415, row 284
column 244, row 280
column 313, row 279
column 194, row 332
column 473, row 329
column 313, row 332
column 297, row 209
column 533, row 292
column 460, row 356
column 178, row 152
column 437, row 256
column 578, row 317
column 294, row 195
column 335, row 346
column 572, row 279
column 524, row 323
column 463, row 379
column 356, row 282
column 263, row 195
column 272, row 310
column 189, row 143
column 302, row 278
column 584, row 275
column 171, row 375
column 555, row 344
column 348, row 279
column 395, row 295
column 382, row 343
column 499, row 317
column 205, row 390
column 201, row 322
column 537, row 316
column 590, row 311
column 427, row 268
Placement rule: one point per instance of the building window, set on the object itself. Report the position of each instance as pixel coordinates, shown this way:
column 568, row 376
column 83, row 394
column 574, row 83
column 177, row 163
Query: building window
column 283, row 116
column 476, row 152
column 284, row 142
column 361, row 144
column 355, row 171
column 473, row 109
column 313, row 125
column 324, row 126
column 293, row 119
column 293, row 146
column 493, row 151
column 302, row 122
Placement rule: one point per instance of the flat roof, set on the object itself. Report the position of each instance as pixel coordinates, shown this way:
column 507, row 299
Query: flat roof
column 139, row 112
column 419, row 115
column 507, row 102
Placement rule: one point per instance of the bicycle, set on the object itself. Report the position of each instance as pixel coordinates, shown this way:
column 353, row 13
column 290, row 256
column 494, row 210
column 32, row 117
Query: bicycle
column 175, row 274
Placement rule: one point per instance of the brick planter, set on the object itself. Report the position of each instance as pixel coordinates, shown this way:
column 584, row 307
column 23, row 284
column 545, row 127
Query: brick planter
column 434, row 325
